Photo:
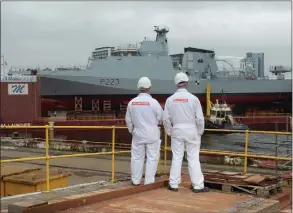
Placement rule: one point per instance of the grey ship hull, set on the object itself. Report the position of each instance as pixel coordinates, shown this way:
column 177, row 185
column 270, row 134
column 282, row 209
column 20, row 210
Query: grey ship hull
column 123, row 73
column 75, row 86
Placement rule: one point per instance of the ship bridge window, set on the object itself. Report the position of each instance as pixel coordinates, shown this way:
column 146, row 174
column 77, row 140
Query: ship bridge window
column 220, row 114
column 228, row 113
column 213, row 113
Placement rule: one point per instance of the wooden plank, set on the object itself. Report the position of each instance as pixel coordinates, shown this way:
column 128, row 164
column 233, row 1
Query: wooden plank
column 255, row 179
column 266, row 191
column 230, row 173
column 211, row 171
column 92, row 198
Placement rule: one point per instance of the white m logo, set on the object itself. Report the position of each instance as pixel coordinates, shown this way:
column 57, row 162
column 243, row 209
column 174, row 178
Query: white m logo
column 17, row 89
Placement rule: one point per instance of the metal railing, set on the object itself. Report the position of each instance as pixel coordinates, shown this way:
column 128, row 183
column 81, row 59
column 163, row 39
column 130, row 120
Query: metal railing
column 47, row 157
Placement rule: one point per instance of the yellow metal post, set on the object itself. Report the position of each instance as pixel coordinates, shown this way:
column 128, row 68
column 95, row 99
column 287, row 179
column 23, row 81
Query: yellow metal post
column 208, row 97
column 47, row 159
column 113, row 153
column 246, row 151
column 165, row 153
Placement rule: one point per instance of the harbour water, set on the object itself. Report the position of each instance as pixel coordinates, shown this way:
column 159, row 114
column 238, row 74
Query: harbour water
column 257, row 143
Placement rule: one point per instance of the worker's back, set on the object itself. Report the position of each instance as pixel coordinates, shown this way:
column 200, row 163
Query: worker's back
column 145, row 113
column 184, row 110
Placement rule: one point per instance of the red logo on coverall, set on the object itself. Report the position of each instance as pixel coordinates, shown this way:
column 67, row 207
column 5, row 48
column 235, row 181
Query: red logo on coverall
column 141, row 103
column 180, row 100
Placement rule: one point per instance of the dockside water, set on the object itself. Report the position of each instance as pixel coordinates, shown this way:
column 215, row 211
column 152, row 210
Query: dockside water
column 258, row 143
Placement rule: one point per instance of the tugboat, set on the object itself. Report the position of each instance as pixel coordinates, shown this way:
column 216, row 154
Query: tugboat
column 221, row 118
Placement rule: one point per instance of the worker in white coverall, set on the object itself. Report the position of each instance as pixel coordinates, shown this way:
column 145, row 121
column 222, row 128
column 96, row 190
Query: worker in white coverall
column 184, row 121
column 143, row 116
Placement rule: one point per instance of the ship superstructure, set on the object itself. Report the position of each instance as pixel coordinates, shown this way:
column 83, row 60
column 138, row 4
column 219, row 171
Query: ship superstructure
column 112, row 74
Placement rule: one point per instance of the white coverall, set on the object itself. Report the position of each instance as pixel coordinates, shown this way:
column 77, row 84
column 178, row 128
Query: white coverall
column 142, row 119
column 184, row 121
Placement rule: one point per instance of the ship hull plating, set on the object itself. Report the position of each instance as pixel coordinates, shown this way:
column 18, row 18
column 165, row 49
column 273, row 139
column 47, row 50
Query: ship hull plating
column 79, row 86
column 62, row 94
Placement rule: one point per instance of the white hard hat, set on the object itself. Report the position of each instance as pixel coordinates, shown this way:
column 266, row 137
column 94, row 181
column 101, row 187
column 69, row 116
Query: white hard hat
column 181, row 77
column 144, row 82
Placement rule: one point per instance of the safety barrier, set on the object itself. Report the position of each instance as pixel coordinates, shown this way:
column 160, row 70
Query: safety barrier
column 47, row 157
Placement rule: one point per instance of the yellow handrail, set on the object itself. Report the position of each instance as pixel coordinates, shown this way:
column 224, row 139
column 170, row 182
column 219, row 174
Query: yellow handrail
column 47, row 157
column 246, row 151
column 113, row 153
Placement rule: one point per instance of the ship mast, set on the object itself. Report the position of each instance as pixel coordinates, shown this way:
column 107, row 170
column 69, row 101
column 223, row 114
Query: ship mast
column 159, row 47
column 162, row 37
column 161, row 33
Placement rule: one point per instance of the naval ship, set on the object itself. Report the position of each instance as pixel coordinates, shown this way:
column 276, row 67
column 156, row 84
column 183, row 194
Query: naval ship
column 109, row 80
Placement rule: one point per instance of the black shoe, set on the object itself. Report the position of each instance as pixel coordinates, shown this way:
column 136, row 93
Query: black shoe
column 205, row 189
column 172, row 189
column 134, row 184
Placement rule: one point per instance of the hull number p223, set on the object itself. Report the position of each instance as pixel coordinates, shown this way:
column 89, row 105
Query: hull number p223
column 109, row 81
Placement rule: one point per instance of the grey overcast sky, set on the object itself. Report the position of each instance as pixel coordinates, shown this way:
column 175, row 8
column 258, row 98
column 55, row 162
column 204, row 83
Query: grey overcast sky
column 53, row 33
